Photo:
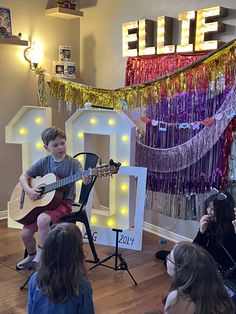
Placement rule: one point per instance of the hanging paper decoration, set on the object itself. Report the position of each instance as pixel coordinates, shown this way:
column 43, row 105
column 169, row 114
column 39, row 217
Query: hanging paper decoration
column 196, row 125
column 207, row 121
column 163, row 126
column 155, row 122
column 219, row 116
column 145, row 119
column 184, row 125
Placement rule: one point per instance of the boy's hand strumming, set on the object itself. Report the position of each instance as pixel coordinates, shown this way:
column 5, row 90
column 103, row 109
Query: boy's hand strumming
column 33, row 194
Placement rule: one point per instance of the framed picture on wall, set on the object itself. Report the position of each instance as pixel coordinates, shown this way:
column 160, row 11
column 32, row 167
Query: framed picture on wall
column 70, row 69
column 64, row 53
column 5, row 22
column 58, row 68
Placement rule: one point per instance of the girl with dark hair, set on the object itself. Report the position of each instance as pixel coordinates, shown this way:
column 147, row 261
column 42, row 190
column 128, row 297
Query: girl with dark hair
column 217, row 232
column 61, row 284
column 197, row 287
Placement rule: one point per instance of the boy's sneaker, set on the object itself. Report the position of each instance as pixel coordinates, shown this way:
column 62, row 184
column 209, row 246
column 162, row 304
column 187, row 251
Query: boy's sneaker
column 26, row 263
column 37, row 258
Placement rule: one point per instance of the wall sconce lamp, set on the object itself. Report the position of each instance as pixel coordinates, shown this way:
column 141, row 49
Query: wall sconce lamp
column 33, row 55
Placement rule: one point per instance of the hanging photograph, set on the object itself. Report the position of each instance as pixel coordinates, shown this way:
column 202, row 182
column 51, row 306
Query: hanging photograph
column 64, row 53
column 5, row 22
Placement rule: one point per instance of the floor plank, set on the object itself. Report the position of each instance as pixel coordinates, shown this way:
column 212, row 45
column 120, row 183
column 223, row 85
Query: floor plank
column 114, row 291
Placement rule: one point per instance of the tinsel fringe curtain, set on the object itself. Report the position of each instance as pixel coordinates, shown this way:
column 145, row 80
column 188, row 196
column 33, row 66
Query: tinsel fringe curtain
column 189, row 117
column 171, row 110
column 147, row 68
column 193, row 78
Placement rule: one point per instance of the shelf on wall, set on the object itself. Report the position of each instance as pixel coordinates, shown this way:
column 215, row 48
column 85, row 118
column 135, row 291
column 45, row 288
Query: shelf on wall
column 64, row 13
column 14, row 41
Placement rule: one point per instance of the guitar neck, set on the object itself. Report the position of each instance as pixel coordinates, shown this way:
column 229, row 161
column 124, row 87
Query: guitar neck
column 66, row 181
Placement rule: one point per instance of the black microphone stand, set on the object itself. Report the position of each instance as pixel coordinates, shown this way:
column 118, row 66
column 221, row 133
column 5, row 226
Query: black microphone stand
column 118, row 257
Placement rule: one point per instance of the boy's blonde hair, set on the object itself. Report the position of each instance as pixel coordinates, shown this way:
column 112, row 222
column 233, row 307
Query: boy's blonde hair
column 51, row 133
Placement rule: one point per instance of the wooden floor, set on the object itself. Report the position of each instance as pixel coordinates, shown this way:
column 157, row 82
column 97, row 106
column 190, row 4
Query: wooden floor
column 113, row 291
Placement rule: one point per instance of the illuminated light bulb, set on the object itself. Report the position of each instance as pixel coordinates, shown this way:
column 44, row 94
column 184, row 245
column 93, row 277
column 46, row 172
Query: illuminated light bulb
column 111, row 122
column 111, row 222
column 93, row 219
column 39, row 145
column 125, row 163
column 124, row 211
column 38, row 120
column 23, row 131
column 125, row 138
column 80, row 135
column 124, row 187
column 35, row 53
column 93, row 121
column 80, row 158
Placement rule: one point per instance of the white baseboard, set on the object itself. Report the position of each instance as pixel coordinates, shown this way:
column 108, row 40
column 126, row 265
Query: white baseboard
column 3, row 214
column 166, row 234
column 163, row 233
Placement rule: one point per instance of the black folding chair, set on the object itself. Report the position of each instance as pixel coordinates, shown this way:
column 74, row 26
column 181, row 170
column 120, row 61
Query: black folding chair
column 91, row 161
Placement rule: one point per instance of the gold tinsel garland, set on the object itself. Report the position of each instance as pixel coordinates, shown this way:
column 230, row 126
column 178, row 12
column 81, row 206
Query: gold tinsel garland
column 195, row 76
column 41, row 90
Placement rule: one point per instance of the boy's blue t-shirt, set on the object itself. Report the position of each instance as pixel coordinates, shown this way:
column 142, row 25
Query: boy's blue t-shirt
column 38, row 303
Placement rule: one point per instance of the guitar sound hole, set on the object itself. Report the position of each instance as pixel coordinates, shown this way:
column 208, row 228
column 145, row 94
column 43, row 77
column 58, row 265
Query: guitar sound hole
column 42, row 190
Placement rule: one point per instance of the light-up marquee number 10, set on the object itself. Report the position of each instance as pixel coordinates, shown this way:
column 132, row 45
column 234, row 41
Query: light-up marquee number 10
column 125, row 205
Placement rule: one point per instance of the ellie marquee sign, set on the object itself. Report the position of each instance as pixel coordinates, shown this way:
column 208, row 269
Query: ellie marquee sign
column 138, row 37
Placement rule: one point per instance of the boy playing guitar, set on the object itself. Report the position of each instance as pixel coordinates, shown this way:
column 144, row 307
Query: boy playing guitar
column 62, row 165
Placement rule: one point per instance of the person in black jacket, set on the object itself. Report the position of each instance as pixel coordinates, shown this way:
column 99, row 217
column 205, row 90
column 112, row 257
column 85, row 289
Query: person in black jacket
column 217, row 232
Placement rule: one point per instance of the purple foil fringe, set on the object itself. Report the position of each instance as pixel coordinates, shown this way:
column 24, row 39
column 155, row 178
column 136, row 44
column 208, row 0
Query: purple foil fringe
column 200, row 174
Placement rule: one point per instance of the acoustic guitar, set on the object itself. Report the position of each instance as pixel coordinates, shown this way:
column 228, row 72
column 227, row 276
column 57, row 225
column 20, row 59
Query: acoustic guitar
column 25, row 211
